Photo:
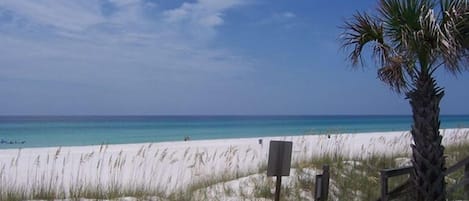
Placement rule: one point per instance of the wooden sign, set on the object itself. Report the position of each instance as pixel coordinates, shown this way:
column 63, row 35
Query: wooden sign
column 279, row 162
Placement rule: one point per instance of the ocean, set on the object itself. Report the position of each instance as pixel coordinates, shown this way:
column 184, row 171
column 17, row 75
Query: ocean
column 46, row 131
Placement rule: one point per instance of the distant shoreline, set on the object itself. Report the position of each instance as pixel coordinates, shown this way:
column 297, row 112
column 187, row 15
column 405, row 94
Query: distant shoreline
column 95, row 130
column 263, row 138
column 35, row 117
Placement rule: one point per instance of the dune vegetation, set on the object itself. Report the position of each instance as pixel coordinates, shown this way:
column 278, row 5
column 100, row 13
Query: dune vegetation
column 239, row 173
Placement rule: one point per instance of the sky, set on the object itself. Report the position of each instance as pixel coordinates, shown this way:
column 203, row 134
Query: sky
column 202, row 57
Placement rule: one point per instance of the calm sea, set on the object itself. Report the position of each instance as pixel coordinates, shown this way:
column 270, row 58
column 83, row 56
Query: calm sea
column 43, row 131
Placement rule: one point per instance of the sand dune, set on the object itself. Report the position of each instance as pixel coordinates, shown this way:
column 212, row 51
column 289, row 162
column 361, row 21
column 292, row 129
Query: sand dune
column 170, row 166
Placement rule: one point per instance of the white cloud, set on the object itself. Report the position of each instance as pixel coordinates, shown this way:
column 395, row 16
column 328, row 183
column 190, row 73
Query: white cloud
column 79, row 16
column 205, row 13
column 286, row 19
column 76, row 42
column 190, row 22
column 124, row 2
column 128, row 11
column 211, row 21
column 288, row 14
column 68, row 15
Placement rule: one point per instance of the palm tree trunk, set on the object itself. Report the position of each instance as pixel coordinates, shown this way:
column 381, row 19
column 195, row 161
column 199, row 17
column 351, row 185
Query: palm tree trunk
column 427, row 151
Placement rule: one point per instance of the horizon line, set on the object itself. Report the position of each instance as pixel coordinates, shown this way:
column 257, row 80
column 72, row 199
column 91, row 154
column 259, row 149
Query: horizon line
column 205, row 115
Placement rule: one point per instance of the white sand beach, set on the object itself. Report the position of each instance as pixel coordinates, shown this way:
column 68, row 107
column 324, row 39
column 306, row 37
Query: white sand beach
column 169, row 166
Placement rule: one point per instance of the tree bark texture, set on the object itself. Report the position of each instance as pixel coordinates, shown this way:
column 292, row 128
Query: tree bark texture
column 427, row 150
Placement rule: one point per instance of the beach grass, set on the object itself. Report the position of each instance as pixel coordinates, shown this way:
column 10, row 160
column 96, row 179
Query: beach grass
column 137, row 176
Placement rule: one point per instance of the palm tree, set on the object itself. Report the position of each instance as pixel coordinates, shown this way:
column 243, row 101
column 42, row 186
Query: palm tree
column 410, row 40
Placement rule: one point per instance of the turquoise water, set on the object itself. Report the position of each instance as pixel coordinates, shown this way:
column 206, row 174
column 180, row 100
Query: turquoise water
column 67, row 131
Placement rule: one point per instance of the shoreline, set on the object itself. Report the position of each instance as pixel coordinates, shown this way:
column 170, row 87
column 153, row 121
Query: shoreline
column 223, row 139
column 177, row 165
column 50, row 131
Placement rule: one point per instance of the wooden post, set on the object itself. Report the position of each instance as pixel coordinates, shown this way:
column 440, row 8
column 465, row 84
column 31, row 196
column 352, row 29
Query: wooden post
column 325, row 182
column 279, row 176
column 466, row 177
column 279, row 163
column 321, row 191
column 277, row 188
column 318, row 188
column 384, row 186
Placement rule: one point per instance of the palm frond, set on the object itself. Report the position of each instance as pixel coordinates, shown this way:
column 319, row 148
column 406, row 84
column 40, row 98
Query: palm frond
column 360, row 31
column 429, row 39
column 410, row 36
column 401, row 20
column 454, row 43
column 396, row 73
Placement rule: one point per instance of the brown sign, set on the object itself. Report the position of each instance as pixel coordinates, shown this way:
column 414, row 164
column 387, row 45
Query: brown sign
column 279, row 158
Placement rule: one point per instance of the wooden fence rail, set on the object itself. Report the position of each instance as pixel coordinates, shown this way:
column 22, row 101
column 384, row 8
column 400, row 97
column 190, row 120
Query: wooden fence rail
column 408, row 186
column 465, row 180
column 398, row 191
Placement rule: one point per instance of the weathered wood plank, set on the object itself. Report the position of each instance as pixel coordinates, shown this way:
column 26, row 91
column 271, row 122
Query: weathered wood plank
column 404, row 188
column 456, row 166
column 397, row 171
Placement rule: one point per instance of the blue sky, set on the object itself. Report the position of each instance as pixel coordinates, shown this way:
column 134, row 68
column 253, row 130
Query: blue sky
column 144, row 57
